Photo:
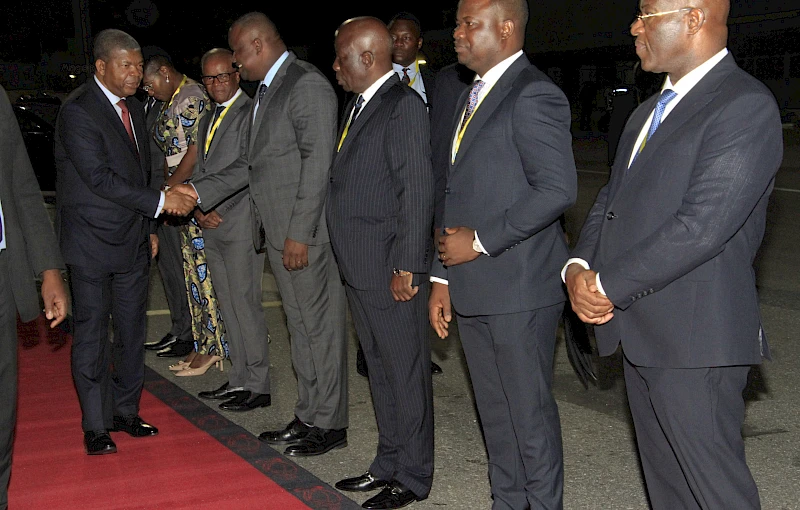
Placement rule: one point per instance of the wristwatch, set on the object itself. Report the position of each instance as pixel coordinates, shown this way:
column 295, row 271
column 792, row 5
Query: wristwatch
column 400, row 272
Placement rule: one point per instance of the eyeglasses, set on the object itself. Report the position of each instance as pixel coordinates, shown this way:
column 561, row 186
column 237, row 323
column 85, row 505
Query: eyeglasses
column 147, row 88
column 642, row 17
column 221, row 78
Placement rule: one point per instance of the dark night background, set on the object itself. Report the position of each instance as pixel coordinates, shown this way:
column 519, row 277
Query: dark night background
column 575, row 41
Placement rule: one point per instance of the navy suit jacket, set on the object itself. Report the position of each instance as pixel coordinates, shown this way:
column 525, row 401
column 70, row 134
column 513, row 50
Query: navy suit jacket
column 380, row 196
column 104, row 205
column 514, row 175
column 674, row 236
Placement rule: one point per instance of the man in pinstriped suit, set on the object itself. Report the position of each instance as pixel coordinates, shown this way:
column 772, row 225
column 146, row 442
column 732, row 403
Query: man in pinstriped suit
column 380, row 208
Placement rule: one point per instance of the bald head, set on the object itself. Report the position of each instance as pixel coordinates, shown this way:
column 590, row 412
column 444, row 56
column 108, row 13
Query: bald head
column 363, row 53
column 682, row 38
column 256, row 45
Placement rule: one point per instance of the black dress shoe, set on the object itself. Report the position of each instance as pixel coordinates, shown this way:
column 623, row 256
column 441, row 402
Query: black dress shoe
column 165, row 342
column 317, row 442
column 364, row 483
column 133, row 425
column 394, row 495
column 224, row 392
column 98, row 442
column 435, row 369
column 293, row 433
column 176, row 350
column 246, row 401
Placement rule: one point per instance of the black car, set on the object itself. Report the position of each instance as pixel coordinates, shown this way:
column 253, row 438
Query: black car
column 38, row 137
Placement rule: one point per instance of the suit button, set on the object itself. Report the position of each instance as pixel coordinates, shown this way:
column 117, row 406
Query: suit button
column 250, row 167
column 330, row 180
column 447, row 191
column 610, row 216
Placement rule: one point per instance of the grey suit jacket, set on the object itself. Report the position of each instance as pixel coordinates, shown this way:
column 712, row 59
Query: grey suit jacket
column 514, row 175
column 220, row 176
column 380, row 202
column 156, row 154
column 31, row 246
column 290, row 148
column 674, row 236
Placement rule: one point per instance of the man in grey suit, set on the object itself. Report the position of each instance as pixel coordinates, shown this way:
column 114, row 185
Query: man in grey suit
column 290, row 145
column 511, row 176
column 28, row 249
column 179, row 338
column 380, row 208
column 220, row 181
column 663, row 265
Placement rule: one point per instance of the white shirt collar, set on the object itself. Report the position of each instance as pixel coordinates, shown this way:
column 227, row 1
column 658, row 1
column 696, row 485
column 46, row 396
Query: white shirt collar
column 693, row 77
column 113, row 98
column 412, row 69
column 373, row 89
column 274, row 69
column 231, row 100
column 494, row 74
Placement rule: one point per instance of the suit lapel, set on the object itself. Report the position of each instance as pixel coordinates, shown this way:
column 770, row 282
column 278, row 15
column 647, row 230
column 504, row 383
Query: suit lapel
column 226, row 121
column 108, row 113
column 367, row 112
column 488, row 106
column 694, row 102
column 273, row 87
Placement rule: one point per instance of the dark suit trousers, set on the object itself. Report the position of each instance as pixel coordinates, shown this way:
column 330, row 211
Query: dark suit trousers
column 170, row 265
column 394, row 336
column 689, row 432
column 8, row 376
column 95, row 295
column 510, row 359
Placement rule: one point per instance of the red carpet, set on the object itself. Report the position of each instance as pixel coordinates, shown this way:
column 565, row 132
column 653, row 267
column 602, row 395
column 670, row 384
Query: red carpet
column 182, row 467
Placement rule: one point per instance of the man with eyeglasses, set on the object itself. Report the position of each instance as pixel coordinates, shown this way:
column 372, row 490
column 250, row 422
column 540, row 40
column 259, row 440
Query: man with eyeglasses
column 224, row 213
column 663, row 265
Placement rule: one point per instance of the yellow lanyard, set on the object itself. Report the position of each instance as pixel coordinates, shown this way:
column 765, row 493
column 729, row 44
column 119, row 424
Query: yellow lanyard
column 457, row 143
column 183, row 81
column 416, row 65
column 215, row 126
column 346, row 128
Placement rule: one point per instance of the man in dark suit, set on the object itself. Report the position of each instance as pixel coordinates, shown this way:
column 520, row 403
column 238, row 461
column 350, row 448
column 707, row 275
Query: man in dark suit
column 406, row 34
column 663, row 265
column 105, row 230
column 511, row 176
column 28, row 250
column 170, row 256
column 380, row 204
column 225, row 215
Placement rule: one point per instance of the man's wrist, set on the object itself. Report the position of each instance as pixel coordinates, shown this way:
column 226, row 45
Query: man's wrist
column 400, row 272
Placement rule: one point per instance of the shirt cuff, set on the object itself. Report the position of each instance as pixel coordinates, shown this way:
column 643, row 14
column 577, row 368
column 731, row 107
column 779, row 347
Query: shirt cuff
column 196, row 193
column 599, row 285
column 477, row 244
column 576, row 260
column 435, row 279
column 160, row 204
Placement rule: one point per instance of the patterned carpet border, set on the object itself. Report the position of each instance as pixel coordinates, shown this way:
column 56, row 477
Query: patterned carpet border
column 309, row 489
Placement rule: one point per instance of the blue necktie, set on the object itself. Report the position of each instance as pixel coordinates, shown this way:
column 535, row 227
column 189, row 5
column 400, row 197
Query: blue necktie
column 666, row 96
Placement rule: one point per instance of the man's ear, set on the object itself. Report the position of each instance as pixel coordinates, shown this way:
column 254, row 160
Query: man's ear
column 419, row 43
column 697, row 17
column 367, row 59
column 100, row 67
column 507, row 29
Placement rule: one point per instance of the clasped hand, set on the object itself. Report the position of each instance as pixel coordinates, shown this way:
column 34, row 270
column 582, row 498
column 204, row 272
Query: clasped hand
column 180, row 200
column 455, row 246
column 588, row 303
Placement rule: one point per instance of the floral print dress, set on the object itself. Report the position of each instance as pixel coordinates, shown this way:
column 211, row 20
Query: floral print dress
column 174, row 131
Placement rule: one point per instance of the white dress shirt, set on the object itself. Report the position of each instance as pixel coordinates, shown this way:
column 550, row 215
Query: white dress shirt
column 415, row 76
column 681, row 88
column 268, row 78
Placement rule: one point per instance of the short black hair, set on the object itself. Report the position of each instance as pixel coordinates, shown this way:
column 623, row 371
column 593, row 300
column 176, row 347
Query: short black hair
column 156, row 62
column 407, row 16
column 110, row 40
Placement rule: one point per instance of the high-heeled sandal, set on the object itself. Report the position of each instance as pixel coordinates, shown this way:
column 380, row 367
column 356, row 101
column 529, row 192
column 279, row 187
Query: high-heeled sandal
column 181, row 365
column 202, row 369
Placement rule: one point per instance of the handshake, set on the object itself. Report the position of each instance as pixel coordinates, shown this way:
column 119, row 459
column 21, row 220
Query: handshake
column 180, row 200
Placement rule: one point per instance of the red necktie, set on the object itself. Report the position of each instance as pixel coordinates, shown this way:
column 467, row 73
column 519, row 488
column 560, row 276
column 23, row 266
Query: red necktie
column 126, row 121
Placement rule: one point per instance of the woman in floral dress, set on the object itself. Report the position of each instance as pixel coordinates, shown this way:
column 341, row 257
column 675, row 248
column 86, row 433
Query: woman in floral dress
column 175, row 131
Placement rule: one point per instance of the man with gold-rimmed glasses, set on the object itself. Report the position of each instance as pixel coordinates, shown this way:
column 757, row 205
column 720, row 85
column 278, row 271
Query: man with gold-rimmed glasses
column 663, row 266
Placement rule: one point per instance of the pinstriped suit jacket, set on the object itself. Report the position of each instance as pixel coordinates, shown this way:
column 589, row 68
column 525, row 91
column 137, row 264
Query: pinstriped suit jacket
column 380, row 196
